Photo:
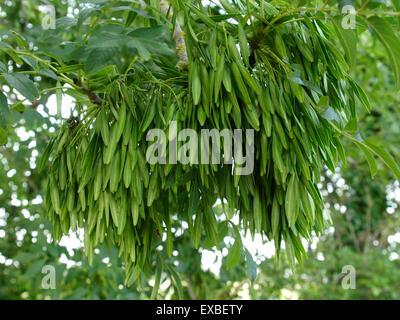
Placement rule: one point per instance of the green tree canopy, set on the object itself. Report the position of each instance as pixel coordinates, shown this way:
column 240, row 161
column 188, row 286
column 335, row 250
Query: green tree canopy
column 289, row 70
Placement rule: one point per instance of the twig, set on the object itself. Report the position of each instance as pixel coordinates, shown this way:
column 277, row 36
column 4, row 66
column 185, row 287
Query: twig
column 93, row 97
column 179, row 38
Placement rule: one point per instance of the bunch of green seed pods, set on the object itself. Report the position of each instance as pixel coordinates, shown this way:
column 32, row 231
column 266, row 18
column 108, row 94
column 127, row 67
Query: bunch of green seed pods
column 288, row 82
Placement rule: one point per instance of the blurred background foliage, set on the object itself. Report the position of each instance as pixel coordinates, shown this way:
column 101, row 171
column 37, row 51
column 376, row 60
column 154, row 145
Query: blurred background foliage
column 365, row 232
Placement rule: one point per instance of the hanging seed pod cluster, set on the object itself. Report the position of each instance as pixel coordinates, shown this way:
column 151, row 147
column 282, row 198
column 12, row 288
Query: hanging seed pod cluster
column 285, row 79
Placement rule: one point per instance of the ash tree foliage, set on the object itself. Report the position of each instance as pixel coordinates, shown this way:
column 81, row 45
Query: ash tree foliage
column 285, row 69
column 364, row 211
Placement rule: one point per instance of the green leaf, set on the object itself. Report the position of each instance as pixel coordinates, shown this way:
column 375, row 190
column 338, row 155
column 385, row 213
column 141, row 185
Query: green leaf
column 32, row 62
column 233, row 257
column 141, row 13
column 331, row 114
column 5, row 114
column 3, row 137
column 380, row 152
column 108, row 40
column 22, row 84
column 157, row 280
column 244, row 45
column 35, row 268
column 194, row 200
column 86, row 13
column 19, row 107
column 384, row 32
column 70, row 68
column 386, row 157
column 24, row 257
column 351, row 126
column 59, row 100
column 343, row 3
column 305, row 83
column 149, row 33
column 396, row 5
column 3, row 67
column 143, row 52
column 157, row 47
column 22, row 43
column 348, row 39
column 323, row 102
column 98, row 58
column 102, row 2
column 373, row 4
column 251, row 265
column 48, row 73
column 371, row 160
column 45, row 156
column 65, row 22
column 177, row 282
column 361, row 95
column 13, row 55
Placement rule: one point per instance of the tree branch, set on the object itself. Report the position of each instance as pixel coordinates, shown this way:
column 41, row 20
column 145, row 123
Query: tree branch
column 179, row 38
column 93, row 97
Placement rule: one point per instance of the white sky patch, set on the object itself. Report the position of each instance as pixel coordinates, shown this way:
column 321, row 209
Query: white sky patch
column 396, row 195
column 395, row 238
column 23, row 134
column 74, row 240
column 66, row 108
column 393, row 256
column 211, row 260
